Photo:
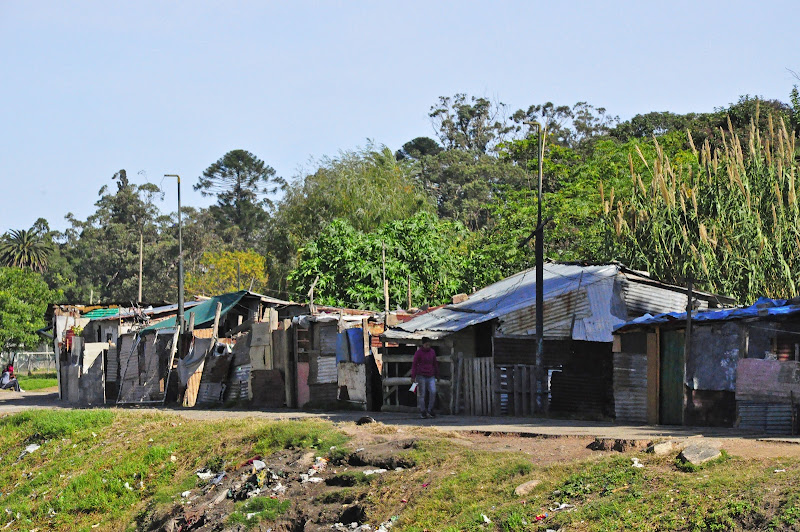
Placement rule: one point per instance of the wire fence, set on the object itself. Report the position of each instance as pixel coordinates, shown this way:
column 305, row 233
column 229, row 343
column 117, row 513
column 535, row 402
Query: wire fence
column 30, row 361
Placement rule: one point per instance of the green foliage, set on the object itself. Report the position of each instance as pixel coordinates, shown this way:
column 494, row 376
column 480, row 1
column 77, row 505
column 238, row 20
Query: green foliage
column 227, row 271
column 241, row 182
column 24, row 297
column 101, row 254
column 251, row 511
column 275, row 436
column 366, row 187
column 728, row 216
column 37, row 381
column 25, row 248
column 349, row 263
column 41, row 425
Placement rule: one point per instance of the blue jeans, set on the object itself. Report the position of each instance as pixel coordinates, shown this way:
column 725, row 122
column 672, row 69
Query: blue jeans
column 426, row 393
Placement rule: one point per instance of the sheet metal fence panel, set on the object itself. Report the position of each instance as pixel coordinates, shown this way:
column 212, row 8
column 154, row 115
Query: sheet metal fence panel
column 766, row 418
column 630, row 387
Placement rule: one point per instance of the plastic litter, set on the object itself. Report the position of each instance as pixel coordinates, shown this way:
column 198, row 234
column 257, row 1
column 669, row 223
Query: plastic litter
column 562, row 506
column 636, row 462
column 369, row 472
column 218, row 478
column 780, row 471
column 258, row 465
column 486, row 519
column 186, row 493
column 31, row 448
column 204, row 474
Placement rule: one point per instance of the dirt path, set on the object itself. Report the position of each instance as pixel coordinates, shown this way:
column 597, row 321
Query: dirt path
column 547, row 440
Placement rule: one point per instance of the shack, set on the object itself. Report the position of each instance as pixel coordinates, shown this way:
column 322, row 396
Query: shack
column 486, row 342
column 741, row 368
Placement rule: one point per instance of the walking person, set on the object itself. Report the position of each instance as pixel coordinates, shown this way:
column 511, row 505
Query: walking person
column 424, row 372
column 8, row 380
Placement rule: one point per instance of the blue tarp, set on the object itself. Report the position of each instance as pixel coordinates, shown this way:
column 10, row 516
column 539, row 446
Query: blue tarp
column 342, row 349
column 764, row 307
column 356, row 338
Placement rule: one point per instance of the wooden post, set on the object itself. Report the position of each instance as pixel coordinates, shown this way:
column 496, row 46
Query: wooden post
column 687, row 344
column 215, row 330
column 385, row 280
column 311, row 295
column 191, row 322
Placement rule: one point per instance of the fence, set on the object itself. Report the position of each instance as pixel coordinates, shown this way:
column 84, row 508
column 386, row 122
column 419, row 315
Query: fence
column 30, row 361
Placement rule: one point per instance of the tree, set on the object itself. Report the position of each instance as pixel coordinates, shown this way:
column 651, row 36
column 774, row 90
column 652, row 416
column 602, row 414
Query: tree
column 348, row 263
column 102, row 252
column 418, row 148
column 227, row 271
column 366, row 187
column 25, row 248
column 24, row 297
column 241, row 182
column 470, row 124
column 729, row 216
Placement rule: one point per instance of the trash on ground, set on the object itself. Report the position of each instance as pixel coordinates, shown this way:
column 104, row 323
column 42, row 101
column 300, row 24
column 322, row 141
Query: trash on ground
column 204, row 474
column 780, row 471
column 186, row 493
column 486, row 519
column 369, row 472
column 258, row 465
column 562, row 506
column 636, row 462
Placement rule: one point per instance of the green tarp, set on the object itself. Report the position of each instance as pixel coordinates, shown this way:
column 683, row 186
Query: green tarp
column 204, row 312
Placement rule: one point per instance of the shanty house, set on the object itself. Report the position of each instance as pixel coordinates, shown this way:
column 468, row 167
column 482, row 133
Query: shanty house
column 741, row 367
column 487, row 342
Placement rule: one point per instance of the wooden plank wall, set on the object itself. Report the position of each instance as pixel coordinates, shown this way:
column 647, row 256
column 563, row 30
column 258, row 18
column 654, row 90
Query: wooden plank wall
column 477, row 376
column 514, row 389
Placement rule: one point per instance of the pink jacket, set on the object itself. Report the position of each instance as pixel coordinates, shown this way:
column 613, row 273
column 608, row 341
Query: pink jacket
column 424, row 364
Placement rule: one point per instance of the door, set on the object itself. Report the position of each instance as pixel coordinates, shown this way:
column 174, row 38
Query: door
column 670, row 398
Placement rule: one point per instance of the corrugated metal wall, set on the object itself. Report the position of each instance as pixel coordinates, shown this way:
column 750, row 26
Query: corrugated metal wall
column 630, row 387
column 767, row 418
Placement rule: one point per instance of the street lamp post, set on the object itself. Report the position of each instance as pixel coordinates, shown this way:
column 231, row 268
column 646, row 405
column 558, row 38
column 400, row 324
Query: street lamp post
column 179, row 320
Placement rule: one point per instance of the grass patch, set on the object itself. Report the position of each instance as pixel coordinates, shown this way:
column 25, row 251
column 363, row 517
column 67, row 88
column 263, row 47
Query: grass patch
column 37, row 381
column 342, row 496
column 109, row 468
column 274, row 436
column 349, row 479
column 250, row 512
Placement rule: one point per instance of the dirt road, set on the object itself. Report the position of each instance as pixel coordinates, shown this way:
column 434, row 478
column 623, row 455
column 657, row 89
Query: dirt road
column 536, row 436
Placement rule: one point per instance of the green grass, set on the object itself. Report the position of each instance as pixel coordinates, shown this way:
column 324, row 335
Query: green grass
column 37, row 381
column 101, row 467
column 258, row 509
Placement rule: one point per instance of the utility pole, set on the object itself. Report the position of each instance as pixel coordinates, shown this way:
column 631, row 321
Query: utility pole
column 179, row 320
column 541, row 377
column 141, row 263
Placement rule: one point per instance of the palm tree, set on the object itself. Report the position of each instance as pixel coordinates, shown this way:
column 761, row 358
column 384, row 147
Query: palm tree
column 24, row 248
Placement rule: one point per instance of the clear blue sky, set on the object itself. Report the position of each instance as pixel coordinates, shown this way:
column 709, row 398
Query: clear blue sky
column 88, row 88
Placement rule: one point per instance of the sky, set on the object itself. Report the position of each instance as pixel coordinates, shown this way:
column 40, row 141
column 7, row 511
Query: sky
column 91, row 87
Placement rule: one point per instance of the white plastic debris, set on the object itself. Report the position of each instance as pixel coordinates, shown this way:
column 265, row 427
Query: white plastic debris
column 486, row 519
column 258, row 465
column 128, row 487
column 374, row 471
column 636, row 462
column 32, row 447
column 780, row 471
column 204, row 474
column 186, row 493
column 279, row 488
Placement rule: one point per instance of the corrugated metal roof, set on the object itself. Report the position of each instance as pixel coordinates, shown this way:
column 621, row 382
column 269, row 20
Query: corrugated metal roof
column 101, row 313
column 152, row 311
column 580, row 302
column 513, row 300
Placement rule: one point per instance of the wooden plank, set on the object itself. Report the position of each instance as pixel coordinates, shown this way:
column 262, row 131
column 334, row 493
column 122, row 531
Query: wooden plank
column 215, row 329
